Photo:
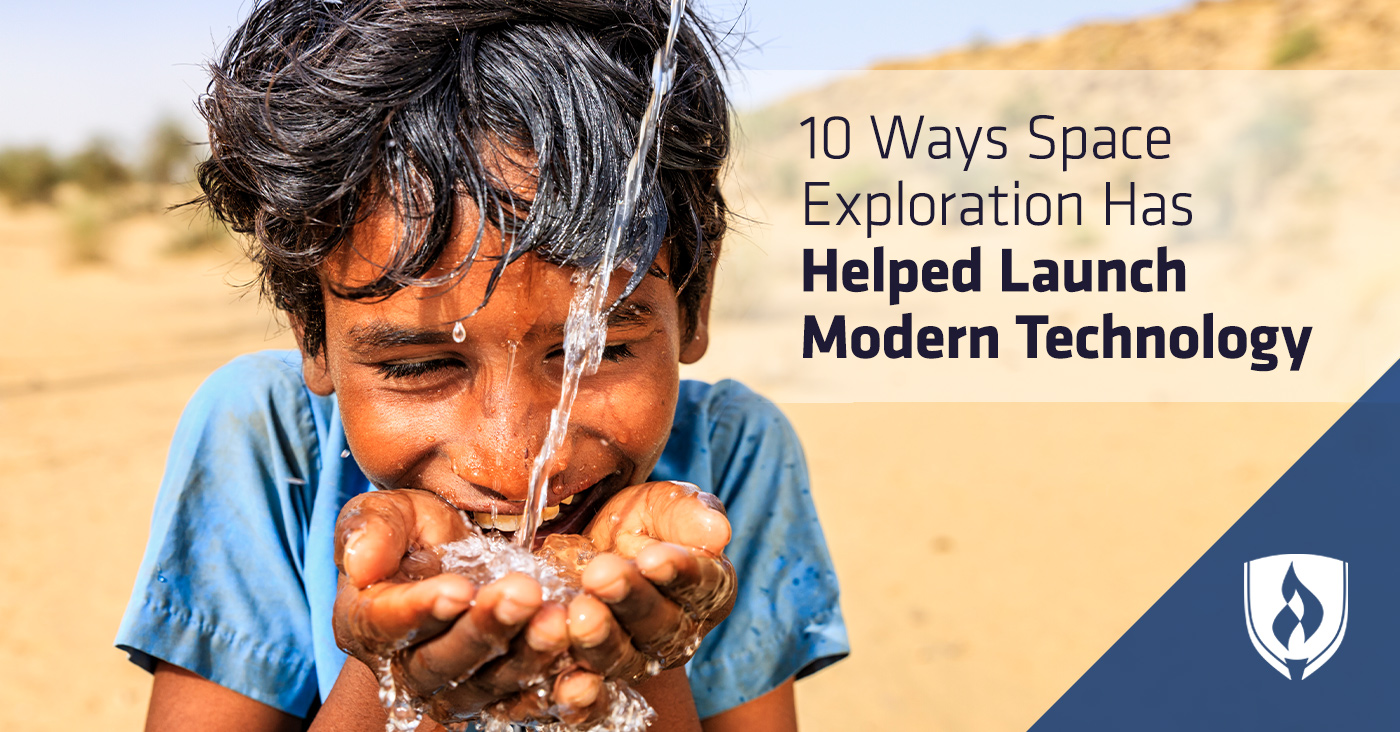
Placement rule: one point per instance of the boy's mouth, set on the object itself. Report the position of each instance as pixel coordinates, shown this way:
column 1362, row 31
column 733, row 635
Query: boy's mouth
column 569, row 515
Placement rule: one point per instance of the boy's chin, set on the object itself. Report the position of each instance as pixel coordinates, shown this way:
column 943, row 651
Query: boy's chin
column 572, row 515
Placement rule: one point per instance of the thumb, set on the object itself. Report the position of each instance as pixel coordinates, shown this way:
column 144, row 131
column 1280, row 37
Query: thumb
column 376, row 530
column 680, row 513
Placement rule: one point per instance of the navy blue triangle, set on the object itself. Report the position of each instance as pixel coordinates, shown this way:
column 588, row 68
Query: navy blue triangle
column 1188, row 663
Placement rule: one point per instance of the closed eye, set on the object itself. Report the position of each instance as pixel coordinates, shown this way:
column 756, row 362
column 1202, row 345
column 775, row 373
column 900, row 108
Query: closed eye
column 613, row 353
column 618, row 352
column 414, row 369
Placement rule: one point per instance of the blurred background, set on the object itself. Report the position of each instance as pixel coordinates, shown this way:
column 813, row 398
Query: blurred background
column 1022, row 564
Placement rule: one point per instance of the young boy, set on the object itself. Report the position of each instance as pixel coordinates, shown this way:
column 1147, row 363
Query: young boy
column 422, row 179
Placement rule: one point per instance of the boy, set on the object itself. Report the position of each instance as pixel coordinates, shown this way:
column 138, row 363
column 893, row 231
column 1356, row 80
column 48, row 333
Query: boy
column 422, row 178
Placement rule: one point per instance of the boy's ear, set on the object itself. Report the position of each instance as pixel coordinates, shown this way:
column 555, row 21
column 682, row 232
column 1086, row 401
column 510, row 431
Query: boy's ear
column 313, row 368
column 699, row 342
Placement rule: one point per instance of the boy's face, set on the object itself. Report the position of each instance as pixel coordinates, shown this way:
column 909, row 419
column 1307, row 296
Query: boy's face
column 466, row 420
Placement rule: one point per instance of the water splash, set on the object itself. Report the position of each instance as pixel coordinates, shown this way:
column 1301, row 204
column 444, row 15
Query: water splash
column 484, row 558
column 404, row 712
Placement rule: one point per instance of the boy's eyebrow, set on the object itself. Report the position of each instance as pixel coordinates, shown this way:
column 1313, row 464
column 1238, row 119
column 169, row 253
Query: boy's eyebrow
column 387, row 335
column 629, row 313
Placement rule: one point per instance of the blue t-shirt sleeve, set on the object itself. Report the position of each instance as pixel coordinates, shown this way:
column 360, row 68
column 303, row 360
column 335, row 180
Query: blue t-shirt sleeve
column 787, row 617
column 221, row 591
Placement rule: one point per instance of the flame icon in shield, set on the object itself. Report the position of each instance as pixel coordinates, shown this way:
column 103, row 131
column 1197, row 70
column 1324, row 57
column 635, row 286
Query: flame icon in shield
column 1295, row 608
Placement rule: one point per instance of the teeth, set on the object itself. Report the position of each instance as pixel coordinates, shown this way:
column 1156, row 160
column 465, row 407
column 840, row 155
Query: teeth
column 507, row 522
column 566, row 501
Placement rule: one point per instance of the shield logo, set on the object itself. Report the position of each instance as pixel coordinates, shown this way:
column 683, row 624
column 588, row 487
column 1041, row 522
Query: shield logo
column 1295, row 607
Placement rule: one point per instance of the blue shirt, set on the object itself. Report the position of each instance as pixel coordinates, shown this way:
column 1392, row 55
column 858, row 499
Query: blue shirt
column 238, row 580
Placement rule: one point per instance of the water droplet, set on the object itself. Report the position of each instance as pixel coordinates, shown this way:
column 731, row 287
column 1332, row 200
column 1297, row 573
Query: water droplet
column 345, row 453
column 459, row 333
column 160, row 578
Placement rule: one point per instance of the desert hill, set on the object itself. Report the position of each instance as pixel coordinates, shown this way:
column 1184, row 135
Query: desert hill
column 1224, row 34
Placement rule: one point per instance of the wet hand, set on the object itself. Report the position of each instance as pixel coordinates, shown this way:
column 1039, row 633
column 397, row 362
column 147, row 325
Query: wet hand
column 454, row 645
column 659, row 584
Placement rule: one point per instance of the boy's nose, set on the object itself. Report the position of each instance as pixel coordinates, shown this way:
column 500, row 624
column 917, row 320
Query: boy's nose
column 503, row 441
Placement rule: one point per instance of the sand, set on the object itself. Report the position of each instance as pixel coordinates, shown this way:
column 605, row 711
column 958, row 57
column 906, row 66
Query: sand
column 988, row 553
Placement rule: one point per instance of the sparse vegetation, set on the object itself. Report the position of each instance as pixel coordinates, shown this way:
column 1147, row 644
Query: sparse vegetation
column 1296, row 45
column 201, row 231
column 32, row 174
column 99, row 186
column 170, row 155
column 28, row 175
column 96, row 169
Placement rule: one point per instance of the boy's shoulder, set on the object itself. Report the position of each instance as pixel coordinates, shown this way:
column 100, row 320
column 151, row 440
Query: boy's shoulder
column 726, row 436
column 727, row 402
column 270, row 370
column 252, row 381
column 257, row 395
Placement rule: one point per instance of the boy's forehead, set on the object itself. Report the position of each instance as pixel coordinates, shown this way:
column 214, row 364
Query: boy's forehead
column 375, row 240
column 530, row 292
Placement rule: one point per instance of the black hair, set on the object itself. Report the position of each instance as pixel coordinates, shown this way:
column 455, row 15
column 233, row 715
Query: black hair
column 319, row 111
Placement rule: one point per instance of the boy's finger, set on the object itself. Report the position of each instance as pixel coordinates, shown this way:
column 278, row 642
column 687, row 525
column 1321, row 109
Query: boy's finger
column 532, row 653
column 371, row 536
column 682, row 514
column 599, row 644
column 527, row 705
column 581, row 697
column 375, row 530
column 702, row 583
column 383, row 616
column 655, row 624
column 479, row 635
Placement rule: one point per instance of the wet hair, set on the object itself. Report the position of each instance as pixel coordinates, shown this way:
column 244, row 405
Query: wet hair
column 321, row 111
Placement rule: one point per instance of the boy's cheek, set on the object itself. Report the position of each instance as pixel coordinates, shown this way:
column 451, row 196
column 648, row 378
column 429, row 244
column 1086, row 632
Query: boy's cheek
column 385, row 443
column 638, row 417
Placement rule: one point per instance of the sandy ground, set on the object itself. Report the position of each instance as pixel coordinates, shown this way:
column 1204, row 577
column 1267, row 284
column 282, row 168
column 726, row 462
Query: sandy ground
column 988, row 552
